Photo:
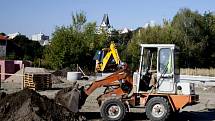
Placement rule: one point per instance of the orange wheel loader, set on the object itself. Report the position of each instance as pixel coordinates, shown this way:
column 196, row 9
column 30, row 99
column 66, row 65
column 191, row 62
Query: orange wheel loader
column 155, row 86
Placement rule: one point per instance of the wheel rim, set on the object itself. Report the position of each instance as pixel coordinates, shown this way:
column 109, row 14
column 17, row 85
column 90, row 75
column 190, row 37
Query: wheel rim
column 113, row 111
column 158, row 110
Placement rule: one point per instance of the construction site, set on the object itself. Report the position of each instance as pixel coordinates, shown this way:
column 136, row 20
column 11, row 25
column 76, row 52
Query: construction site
column 18, row 104
column 131, row 69
column 39, row 94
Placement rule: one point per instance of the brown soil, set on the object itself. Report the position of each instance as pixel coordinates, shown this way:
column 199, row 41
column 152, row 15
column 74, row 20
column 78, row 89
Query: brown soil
column 28, row 105
column 62, row 72
column 2, row 95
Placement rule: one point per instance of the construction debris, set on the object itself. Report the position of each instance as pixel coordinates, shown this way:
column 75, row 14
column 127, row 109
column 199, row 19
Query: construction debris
column 28, row 105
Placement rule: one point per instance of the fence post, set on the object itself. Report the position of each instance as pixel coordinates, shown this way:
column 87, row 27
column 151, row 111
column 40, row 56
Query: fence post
column 196, row 71
column 23, row 76
column 0, row 80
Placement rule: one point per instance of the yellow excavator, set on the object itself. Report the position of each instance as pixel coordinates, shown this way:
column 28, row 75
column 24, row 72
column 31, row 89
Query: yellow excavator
column 107, row 59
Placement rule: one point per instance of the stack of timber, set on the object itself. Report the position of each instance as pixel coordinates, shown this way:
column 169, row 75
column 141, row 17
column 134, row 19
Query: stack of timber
column 37, row 81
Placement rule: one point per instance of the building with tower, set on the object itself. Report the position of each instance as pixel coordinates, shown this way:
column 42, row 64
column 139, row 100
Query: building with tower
column 105, row 25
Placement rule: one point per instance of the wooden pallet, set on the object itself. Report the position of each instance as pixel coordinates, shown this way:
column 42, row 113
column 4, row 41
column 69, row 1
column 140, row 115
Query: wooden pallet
column 37, row 81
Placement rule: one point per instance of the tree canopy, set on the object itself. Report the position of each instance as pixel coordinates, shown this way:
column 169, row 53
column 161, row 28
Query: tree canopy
column 77, row 43
column 191, row 31
column 21, row 48
column 74, row 44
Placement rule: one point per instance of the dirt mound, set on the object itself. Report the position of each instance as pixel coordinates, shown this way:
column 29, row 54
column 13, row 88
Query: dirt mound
column 28, row 105
column 62, row 72
column 55, row 79
column 35, row 70
column 2, row 95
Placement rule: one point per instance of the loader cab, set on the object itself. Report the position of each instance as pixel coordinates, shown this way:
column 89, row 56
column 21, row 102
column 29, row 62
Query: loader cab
column 158, row 68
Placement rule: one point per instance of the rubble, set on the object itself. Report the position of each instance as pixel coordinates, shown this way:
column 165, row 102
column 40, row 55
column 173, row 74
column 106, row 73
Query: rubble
column 2, row 95
column 28, row 105
column 62, row 72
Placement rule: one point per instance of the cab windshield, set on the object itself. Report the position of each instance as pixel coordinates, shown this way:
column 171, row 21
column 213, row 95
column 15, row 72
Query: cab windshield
column 165, row 63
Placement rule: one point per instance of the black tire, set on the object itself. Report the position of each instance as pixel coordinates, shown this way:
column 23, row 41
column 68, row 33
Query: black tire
column 158, row 109
column 175, row 115
column 111, row 105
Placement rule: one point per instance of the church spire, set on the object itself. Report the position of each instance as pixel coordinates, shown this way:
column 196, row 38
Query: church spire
column 105, row 21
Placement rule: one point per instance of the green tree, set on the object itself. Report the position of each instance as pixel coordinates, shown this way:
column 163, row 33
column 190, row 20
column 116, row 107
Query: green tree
column 21, row 48
column 3, row 34
column 192, row 32
column 74, row 44
column 209, row 32
column 194, row 42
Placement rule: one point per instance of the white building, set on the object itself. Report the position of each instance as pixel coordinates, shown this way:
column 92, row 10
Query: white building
column 13, row 35
column 41, row 38
column 46, row 42
column 124, row 31
column 105, row 25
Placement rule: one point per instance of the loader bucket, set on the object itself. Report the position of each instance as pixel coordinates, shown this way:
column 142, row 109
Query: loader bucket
column 72, row 97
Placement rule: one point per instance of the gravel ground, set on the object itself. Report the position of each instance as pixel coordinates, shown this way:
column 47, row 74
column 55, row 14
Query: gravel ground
column 204, row 111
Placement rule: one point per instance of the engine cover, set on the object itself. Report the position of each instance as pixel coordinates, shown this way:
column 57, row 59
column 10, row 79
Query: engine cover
column 185, row 88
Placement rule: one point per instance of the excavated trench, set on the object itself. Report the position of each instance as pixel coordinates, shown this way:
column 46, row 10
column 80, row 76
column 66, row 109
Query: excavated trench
column 28, row 105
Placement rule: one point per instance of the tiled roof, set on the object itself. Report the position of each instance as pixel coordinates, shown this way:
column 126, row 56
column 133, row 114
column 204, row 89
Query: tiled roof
column 3, row 37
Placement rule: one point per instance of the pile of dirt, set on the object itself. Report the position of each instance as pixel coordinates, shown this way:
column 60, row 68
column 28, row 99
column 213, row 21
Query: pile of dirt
column 35, row 70
column 2, row 95
column 62, row 72
column 28, row 105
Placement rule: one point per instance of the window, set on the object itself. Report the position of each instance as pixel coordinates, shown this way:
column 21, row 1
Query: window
column 165, row 58
column 3, row 42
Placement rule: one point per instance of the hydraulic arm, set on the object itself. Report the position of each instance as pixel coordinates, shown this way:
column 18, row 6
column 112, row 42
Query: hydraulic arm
column 105, row 56
column 115, row 79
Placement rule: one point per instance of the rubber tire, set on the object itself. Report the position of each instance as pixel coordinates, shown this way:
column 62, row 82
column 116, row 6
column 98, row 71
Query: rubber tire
column 104, row 109
column 158, row 100
column 175, row 115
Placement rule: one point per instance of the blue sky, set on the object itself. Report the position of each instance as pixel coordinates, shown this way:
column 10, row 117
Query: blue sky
column 33, row 16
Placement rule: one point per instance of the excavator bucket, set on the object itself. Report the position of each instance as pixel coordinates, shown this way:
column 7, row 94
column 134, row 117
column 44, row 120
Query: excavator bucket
column 71, row 97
